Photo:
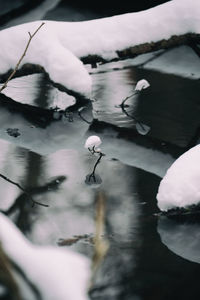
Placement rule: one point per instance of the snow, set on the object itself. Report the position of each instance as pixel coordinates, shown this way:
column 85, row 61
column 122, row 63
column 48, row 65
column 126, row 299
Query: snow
column 59, row 45
column 142, row 84
column 57, row 273
column 92, row 141
column 180, row 186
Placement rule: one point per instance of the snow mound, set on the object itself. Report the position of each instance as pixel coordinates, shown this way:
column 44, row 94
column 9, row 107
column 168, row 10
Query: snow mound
column 180, row 186
column 57, row 273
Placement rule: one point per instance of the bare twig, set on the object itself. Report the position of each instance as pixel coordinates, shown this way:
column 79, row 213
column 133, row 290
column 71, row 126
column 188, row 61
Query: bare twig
column 21, row 188
column 80, row 115
column 97, row 162
column 122, row 105
column 21, row 58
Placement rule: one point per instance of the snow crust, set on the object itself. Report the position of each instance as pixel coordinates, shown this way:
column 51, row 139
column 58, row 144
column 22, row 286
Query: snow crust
column 180, row 186
column 59, row 45
column 58, row 274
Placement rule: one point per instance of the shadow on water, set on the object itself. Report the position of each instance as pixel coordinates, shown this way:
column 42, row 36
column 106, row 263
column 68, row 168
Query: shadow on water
column 147, row 258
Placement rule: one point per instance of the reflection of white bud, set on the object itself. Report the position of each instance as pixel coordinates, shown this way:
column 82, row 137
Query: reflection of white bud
column 143, row 129
column 92, row 142
column 141, row 85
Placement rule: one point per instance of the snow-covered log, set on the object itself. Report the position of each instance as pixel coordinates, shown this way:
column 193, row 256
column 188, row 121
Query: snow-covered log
column 59, row 46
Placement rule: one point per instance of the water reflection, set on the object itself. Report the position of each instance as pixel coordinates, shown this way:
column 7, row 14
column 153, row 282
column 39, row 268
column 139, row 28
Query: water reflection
column 110, row 91
column 52, row 164
column 181, row 239
column 71, row 209
column 170, row 106
column 37, row 90
column 72, row 135
column 136, row 255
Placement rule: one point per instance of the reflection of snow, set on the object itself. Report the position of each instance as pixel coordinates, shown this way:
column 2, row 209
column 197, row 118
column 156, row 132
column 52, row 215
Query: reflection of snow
column 181, row 61
column 27, row 89
column 182, row 239
column 58, row 274
column 72, row 212
column 64, row 136
column 180, row 186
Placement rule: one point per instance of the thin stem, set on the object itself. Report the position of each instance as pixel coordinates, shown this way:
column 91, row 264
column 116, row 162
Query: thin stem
column 21, row 188
column 95, row 166
column 80, row 115
column 126, row 113
column 21, row 58
column 92, row 150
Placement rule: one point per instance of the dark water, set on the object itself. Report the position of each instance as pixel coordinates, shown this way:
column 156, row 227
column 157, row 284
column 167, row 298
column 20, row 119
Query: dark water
column 147, row 258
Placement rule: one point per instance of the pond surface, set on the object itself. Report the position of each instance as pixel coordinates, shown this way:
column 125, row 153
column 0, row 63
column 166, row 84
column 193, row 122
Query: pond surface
column 148, row 258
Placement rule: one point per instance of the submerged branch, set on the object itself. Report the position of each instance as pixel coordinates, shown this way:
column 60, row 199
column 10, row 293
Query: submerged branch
column 25, row 192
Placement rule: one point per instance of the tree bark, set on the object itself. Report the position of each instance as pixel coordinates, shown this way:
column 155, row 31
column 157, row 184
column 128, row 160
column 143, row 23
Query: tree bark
column 173, row 41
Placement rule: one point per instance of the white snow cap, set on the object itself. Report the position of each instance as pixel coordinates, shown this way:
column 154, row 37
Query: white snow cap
column 141, row 85
column 180, row 186
column 57, row 273
column 92, row 141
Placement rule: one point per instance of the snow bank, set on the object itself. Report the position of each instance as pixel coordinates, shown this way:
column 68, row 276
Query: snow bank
column 180, row 186
column 58, row 45
column 57, row 273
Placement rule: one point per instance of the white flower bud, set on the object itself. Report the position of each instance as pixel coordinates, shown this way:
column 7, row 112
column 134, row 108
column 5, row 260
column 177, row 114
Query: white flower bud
column 92, row 141
column 141, row 85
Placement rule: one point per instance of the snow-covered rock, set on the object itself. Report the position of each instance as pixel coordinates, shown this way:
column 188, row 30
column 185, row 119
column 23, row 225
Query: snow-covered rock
column 180, row 186
column 59, row 45
column 57, row 273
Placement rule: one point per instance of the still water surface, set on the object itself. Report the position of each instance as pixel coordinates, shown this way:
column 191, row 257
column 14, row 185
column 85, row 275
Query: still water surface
column 148, row 258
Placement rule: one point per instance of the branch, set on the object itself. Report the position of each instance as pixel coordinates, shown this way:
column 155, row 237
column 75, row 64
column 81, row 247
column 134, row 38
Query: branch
column 21, row 188
column 97, row 162
column 21, row 58
column 135, row 50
